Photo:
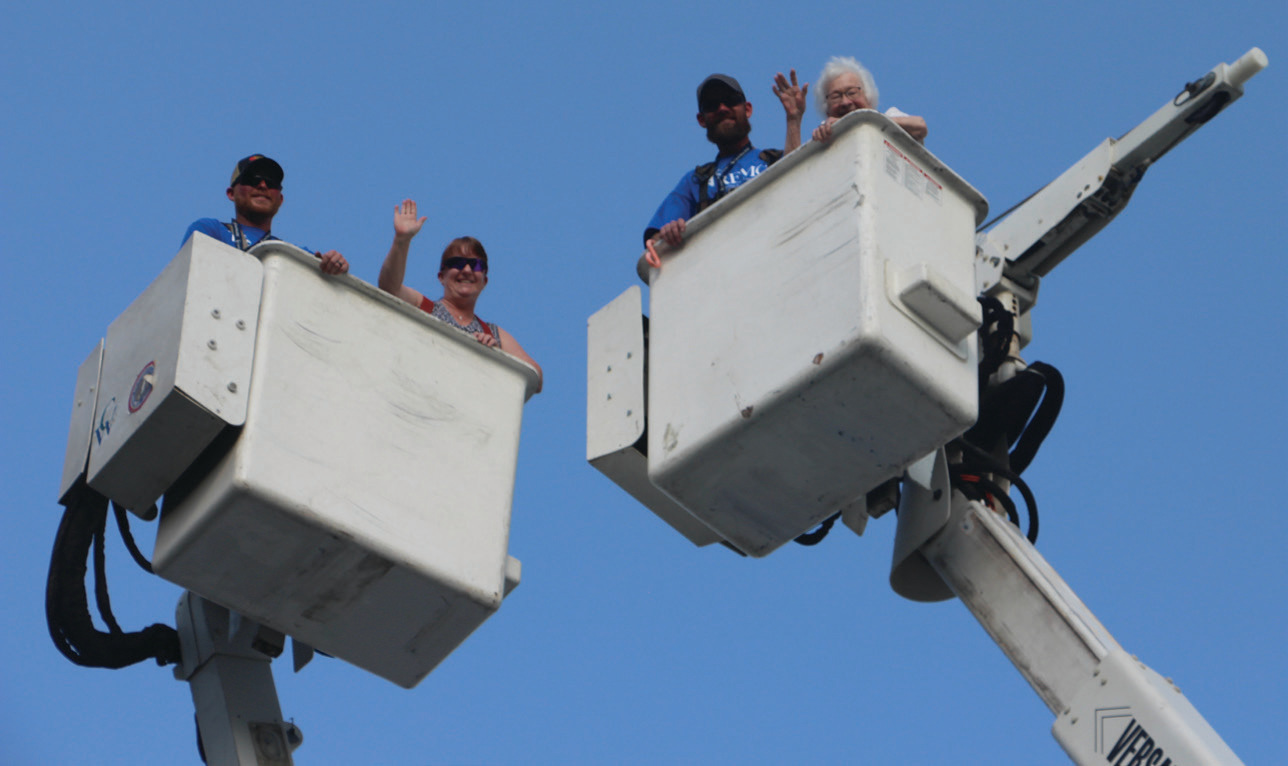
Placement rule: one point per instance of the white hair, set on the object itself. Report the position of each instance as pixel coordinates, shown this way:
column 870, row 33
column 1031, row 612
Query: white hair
column 838, row 65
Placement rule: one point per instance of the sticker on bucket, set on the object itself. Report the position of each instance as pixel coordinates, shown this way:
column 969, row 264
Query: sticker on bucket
column 142, row 387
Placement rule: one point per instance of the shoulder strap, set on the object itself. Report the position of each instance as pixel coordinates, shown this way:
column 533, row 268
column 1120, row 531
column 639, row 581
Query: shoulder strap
column 239, row 239
column 703, row 174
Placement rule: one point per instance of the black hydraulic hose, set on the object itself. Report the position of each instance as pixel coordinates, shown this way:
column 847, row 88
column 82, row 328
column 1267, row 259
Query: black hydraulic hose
column 999, row 494
column 1043, row 419
column 67, row 604
column 65, row 587
column 123, row 523
column 993, row 465
column 101, row 598
column 996, row 331
column 976, row 487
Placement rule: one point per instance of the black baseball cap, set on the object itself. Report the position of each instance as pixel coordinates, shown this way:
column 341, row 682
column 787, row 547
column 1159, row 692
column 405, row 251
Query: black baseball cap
column 720, row 81
column 258, row 165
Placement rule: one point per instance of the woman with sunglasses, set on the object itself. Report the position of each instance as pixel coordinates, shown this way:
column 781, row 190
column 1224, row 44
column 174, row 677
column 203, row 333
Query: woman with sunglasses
column 463, row 274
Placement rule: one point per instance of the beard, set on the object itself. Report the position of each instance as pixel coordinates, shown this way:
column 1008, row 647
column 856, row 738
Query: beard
column 725, row 133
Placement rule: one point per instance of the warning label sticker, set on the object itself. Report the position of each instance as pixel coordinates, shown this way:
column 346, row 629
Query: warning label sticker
column 901, row 168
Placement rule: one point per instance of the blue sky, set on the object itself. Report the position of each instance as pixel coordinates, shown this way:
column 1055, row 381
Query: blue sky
column 551, row 132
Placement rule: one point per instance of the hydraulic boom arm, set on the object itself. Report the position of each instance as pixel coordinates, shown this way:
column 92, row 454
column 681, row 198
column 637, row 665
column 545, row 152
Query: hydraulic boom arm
column 1032, row 238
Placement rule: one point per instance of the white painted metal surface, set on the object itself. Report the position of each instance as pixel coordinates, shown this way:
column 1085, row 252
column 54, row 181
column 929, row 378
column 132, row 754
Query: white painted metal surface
column 1110, row 707
column 1034, row 237
column 615, row 419
column 924, row 507
column 817, row 257
column 176, row 366
column 1129, row 714
column 226, row 664
column 814, row 335
column 365, row 506
column 81, row 429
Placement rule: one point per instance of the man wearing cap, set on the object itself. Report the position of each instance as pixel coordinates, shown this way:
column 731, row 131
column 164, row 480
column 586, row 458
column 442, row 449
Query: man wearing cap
column 256, row 194
column 725, row 112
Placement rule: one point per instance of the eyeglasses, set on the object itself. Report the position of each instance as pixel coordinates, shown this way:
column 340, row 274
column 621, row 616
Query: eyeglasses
column 458, row 262
column 255, row 181
column 713, row 103
column 836, row 96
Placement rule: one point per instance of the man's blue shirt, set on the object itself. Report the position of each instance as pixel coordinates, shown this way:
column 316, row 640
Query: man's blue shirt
column 217, row 229
column 683, row 200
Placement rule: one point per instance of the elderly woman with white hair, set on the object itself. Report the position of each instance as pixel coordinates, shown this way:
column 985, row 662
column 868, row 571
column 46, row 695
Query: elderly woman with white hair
column 844, row 86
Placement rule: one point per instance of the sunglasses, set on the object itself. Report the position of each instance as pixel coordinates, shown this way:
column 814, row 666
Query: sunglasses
column 458, row 262
column 712, row 103
column 255, row 181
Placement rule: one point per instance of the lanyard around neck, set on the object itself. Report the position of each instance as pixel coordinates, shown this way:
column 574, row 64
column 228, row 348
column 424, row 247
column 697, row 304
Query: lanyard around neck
column 720, row 176
column 239, row 237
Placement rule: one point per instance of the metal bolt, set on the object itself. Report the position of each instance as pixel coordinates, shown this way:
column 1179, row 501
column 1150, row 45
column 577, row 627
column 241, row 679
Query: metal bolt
column 628, row 354
column 232, row 387
column 215, row 313
column 211, row 344
column 610, row 368
column 241, row 324
column 628, row 413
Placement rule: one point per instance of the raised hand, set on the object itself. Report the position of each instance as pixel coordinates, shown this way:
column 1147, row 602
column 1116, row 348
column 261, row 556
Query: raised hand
column 406, row 224
column 791, row 94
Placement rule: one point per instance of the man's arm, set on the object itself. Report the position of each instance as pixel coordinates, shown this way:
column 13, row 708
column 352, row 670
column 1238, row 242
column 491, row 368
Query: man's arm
column 406, row 226
column 793, row 98
column 211, row 228
column 672, row 232
column 679, row 206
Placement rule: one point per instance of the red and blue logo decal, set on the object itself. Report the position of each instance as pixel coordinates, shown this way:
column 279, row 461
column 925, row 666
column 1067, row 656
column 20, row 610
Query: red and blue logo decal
column 142, row 387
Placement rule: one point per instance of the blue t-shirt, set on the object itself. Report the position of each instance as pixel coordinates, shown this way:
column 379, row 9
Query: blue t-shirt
column 683, row 201
column 218, row 230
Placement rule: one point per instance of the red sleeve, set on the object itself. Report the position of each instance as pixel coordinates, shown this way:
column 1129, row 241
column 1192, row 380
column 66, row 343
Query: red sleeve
column 426, row 305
